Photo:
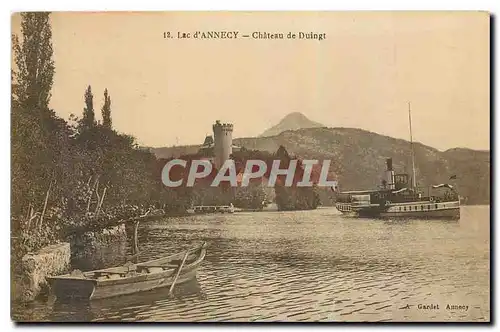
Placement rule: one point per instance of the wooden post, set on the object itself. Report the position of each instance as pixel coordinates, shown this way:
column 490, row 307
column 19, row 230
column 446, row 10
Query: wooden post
column 99, row 205
column 136, row 240
column 136, row 237
column 44, row 206
column 28, row 217
column 29, row 210
column 97, row 194
column 91, row 194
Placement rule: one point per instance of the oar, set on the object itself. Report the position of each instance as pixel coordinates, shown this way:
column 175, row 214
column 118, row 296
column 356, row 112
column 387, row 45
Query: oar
column 178, row 273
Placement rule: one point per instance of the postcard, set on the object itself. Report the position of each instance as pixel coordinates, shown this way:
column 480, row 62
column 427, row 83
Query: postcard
column 250, row 167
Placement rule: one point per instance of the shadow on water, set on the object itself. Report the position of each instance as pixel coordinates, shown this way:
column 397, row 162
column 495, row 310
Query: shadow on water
column 101, row 257
column 86, row 311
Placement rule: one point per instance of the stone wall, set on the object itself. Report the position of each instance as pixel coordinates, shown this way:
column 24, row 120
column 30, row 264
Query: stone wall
column 87, row 251
column 35, row 267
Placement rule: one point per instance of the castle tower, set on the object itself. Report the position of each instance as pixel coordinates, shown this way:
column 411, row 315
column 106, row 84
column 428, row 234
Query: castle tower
column 223, row 139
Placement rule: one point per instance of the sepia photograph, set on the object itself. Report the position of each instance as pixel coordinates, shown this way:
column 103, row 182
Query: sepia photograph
column 224, row 166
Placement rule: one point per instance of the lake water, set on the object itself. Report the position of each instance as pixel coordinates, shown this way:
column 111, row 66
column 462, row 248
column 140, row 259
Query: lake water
column 308, row 266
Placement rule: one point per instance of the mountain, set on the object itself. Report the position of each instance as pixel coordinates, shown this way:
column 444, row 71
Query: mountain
column 358, row 158
column 292, row 121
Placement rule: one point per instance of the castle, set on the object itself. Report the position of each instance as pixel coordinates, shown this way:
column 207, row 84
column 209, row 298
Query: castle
column 219, row 147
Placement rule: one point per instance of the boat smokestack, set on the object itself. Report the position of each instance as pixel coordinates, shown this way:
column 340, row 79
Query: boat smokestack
column 389, row 174
column 389, row 164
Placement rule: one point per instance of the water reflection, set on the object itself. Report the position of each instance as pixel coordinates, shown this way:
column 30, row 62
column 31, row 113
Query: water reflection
column 102, row 256
column 128, row 305
column 77, row 311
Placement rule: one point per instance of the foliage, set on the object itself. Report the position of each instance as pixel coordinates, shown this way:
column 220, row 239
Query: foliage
column 106, row 111
column 80, row 175
column 88, row 120
column 250, row 197
column 33, row 58
column 294, row 198
column 297, row 198
column 37, row 135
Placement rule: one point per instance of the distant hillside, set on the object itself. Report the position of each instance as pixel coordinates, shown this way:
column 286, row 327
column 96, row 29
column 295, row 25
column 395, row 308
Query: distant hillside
column 175, row 151
column 358, row 158
column 473, row 172
column 292, row 121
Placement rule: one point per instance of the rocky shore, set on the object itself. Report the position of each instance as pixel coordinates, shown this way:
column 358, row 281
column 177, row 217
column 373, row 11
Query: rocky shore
column 87, row 250
column 36, row 267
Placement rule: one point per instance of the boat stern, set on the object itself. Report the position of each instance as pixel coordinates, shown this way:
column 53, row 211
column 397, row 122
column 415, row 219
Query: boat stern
column 68, row 288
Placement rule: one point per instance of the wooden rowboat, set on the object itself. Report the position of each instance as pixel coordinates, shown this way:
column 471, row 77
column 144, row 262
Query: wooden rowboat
column 130, row 278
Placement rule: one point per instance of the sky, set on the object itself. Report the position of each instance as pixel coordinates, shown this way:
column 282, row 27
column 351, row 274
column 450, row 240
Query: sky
column 371, row 64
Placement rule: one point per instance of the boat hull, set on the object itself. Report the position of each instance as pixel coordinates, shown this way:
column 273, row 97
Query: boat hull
column 87, row 289
column 66, row 289
column 451, row 213
column 114, row 282
column 411, row 210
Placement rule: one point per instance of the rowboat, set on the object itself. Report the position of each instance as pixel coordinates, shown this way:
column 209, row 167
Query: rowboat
column 129, row 278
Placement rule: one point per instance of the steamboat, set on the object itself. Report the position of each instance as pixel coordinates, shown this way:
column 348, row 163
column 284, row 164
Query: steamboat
column 398, row 198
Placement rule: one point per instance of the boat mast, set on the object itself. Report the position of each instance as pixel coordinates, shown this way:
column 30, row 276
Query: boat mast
column 414, row 182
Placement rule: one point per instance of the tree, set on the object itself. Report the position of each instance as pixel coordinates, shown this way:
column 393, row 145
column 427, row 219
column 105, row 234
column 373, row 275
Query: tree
column 54, row 165
column 88, row 119
column 33, row 58
column 35, row 131
column 106, row 110
column 282, row 153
